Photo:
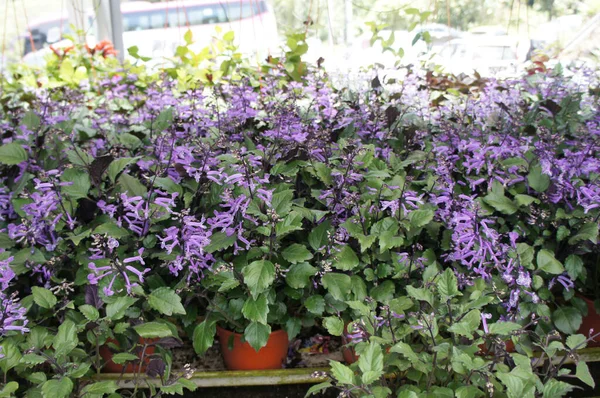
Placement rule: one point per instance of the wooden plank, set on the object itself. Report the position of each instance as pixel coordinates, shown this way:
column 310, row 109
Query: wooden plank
column 230, row 378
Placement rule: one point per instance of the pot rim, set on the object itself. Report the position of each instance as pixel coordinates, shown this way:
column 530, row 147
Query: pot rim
column 224, row 330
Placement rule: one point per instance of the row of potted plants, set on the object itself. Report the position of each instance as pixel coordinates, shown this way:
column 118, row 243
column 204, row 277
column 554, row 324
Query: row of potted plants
column 139, row 209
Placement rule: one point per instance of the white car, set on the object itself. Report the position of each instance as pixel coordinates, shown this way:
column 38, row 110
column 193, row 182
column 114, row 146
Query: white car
column 488, row 55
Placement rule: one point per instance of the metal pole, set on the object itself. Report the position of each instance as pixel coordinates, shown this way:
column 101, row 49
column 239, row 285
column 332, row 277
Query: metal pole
column 103, row 30
column 347, row 21
column 76, row 11
column 116, row 23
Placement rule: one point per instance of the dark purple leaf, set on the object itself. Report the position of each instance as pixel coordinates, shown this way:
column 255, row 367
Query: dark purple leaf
column 169, row 342
column 91, row 296
column 156, row 367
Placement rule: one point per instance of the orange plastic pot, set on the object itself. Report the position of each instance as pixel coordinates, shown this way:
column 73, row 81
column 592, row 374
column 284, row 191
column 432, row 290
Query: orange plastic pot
column 590, row 321
column 140, row 367
column 243, row 357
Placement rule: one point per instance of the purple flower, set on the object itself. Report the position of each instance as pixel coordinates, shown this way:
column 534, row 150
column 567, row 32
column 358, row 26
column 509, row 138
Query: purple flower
column 484, row 317
column 12, row 315
column 564, row 280
column 6, row 273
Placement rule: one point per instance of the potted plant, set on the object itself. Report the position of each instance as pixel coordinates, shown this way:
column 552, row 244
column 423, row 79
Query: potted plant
column 424, row 352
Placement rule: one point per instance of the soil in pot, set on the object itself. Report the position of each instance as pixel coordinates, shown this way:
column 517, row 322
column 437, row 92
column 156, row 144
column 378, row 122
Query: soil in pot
column 243, row 357
column 130, row 367
column 589, row 322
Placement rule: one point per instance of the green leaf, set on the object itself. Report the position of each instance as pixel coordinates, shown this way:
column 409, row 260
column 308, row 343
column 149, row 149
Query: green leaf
column 370, row 363
column 220, row 241
column 548, row 263
column 163, row 120
column 80, row 183
column 498, row 201
column 576, row 341
column 282, row 202
column 77, row 238
column 555, row 389
column 567, row 319
column 118, row 165
column 257, row 335
column 334, row 325
column 293, row 327
column 35, row 377
column 123, row 357
column 420, row 294
column 101, row 387
column 389, row 240
column 89, row 311
column 168, row 185
column 60, row 388
column 467, row 325
column 259, row 275
column 318, row 236
column 131, row 185
column 323, row 172
column 526, row 254
column 583, row 373
column 116, row 309
column 525, row 200
column 33, row 359
column 8, row 389
column 589, row 232
column 11, row 154
column 345, row 259
column 79, row 158
column 12, row 356
column 299, row 275
column 447, row 285
column 204, row 336
column 420, row 218
column 31, row 120
column 503, row 328
column 315, row 304
column 574, row 266
column 43, row 297
column 66, row 338
column 342, row 373
column 153, row 330
column 296, row 253
column 187, row 37
column 337, row 284
column 366, row 241
column 383, row 292
column 318, row 388
column 111, row 229
column 514, row 384
column 562, row 233
column 166, row 301
column 537, row 180
column 256, row 310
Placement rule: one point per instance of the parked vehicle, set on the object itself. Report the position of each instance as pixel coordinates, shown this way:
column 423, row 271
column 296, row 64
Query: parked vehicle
column 488, row 55
column 158, row 28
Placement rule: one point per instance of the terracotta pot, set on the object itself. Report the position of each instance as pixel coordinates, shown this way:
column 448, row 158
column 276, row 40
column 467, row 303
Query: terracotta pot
column 348, row 352
column 510, row 347
column 244, row 357
column 590, row 321
column 111, row 367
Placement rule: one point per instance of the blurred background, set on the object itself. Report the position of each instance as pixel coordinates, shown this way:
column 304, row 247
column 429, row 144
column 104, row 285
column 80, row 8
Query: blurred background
column 490, row 36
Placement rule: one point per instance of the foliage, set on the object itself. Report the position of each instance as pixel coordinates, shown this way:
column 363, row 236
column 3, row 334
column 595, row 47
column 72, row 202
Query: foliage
column 140, row 207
